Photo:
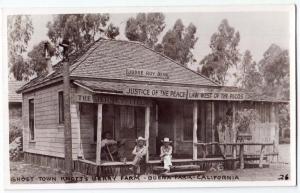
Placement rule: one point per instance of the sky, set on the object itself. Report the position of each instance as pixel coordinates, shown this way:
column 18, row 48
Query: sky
column 258, row 30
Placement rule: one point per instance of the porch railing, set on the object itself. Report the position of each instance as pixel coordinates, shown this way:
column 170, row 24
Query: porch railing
column 235, row 146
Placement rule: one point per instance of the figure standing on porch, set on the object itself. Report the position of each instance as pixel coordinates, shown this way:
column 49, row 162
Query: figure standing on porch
column 166, row 153
column 140, row 151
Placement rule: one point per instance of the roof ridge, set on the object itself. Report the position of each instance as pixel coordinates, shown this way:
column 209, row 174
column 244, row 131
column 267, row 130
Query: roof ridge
column 85, row 55
column 79, row 57
column 142, row 44
column 78, row 51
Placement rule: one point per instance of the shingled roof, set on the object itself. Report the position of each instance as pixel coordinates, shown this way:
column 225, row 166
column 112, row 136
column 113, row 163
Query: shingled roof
column 13, row 86
column 109, row 59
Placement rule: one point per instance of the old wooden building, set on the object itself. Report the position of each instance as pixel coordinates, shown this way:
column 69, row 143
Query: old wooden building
column 15, row 100
column 130, row 90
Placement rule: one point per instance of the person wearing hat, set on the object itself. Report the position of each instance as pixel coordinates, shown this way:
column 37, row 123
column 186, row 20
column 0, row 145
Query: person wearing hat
column 140, row 151
column 166, row 153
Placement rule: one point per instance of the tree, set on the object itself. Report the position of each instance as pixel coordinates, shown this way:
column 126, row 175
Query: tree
column 249, row 76
column 145, row 28
column 275, row 70
column 37, row 59
column 178, row 43
column 224, row 53
column 112, row 31
column 19, row 33
column 274, row 67
column 80, row 29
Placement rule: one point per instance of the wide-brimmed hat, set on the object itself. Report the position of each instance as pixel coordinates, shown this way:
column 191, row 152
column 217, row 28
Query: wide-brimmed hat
column 141, row 139
column 166, row 140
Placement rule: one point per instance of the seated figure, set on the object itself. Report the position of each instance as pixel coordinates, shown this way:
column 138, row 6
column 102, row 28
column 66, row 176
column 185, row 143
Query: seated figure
column 139, row 152
column 109, row 148
column 166, row 154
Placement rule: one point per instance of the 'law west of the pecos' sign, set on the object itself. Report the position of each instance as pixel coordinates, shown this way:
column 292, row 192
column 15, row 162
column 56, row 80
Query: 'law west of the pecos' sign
column 230, row 96
column 132, row 72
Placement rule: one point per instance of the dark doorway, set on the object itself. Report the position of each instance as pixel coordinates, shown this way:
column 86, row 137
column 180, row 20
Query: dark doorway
column 165, row 123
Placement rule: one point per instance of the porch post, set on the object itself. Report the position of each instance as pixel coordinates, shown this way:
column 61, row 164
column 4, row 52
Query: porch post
column 195, row 140
column 147, row 126
column 234, row 147
column 213, row 126
column 276, row 128
column 99, row 134
column 80, row 150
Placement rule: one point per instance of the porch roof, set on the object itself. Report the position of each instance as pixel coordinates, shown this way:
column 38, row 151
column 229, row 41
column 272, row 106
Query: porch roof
column 172, row 92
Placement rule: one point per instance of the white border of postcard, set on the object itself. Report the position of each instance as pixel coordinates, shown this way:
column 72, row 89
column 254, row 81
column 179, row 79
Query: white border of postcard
column 214, row 8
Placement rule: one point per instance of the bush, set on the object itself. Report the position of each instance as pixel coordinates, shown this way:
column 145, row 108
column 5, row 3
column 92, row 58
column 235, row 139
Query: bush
column 15, row 140
column 16, row 149
column 15, row 129
column 245, row 118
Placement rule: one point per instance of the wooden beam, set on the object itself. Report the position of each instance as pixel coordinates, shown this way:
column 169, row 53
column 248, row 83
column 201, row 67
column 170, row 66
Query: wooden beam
column 67, row 118
column 261, row 157
column 195, row 140
column 276, row 127
column 234, row 128
column 234, row 156
column 242, row 161
column 213, row 126
column 156, row 120
column 147, row 126
column 80, row 149
column 99, row 134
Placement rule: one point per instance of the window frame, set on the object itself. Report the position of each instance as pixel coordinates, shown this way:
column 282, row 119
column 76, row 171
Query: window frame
column 31, row 129
column 61, row 110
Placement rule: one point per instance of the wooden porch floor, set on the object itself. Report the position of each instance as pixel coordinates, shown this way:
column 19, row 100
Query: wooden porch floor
column 117, row 163
column 120, row 168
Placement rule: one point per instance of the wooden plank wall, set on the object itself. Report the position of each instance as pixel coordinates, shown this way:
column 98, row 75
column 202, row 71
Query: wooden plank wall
column 263, row 131
column 49, row 134
column 223, row 110
column 87, row 112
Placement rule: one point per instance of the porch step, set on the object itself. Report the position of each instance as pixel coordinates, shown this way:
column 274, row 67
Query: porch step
column 256, row 165
column 183, row 173
column 178, row 168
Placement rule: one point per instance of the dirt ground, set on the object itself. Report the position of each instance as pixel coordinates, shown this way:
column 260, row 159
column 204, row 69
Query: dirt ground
column 22, row 173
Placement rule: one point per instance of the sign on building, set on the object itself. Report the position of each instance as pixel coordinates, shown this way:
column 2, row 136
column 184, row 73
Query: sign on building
column 146, row 73
column 206, row 95
column 159, row 92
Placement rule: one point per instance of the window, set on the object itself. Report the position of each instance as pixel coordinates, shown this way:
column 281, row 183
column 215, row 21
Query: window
column 31, row 119
column 187, row 122
column 61, row 117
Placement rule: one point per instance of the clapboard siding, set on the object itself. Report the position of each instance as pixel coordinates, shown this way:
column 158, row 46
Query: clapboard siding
column 87, row 130
column 49, row 134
